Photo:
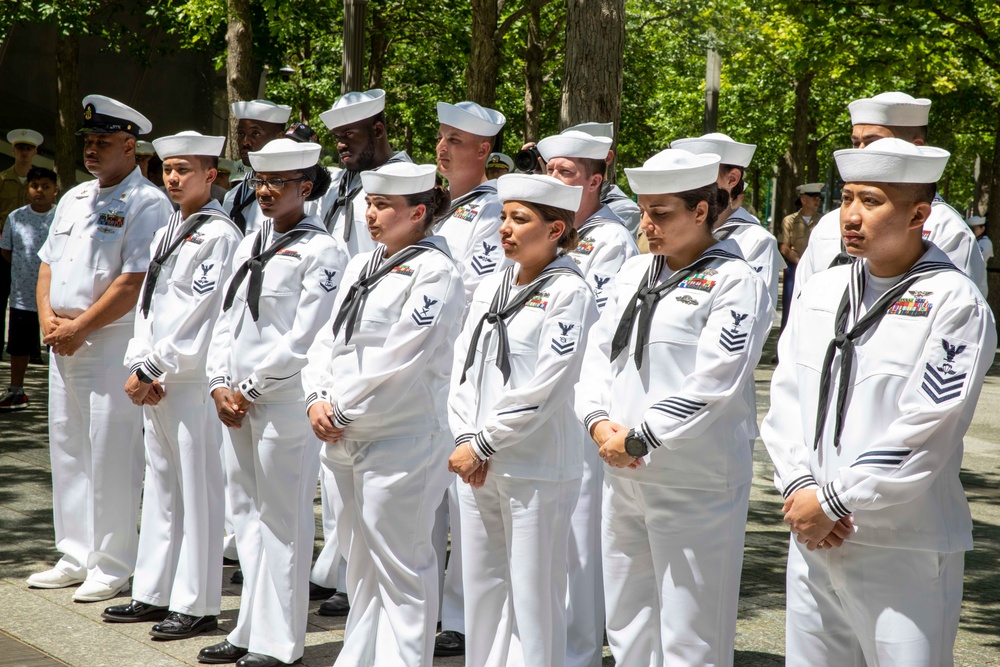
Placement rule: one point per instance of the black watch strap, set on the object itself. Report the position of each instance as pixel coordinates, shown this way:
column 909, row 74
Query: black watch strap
column 143, row 378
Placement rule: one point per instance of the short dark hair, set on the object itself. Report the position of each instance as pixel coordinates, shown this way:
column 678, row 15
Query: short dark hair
column 208, row 161
column 320, row 178
column 908, row 133
column 569, row 239
column 593, row 166
column 921, row 192
column 436, row 200
column 711, row 194
column 36, row 173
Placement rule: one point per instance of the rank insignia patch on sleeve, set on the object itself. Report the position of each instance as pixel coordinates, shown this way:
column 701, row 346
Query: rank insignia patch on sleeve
column 733, row 339
column 424, row 316
column 483, row 262
column 204, row 284
column 327, row 282
column 946, row 379
column 565, row 342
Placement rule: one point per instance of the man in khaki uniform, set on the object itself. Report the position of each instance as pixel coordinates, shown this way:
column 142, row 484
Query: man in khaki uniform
column 793, row 237
column 14, row 195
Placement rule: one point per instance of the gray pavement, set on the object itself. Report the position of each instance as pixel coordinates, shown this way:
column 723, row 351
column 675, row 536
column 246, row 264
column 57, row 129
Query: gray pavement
column 51, row 622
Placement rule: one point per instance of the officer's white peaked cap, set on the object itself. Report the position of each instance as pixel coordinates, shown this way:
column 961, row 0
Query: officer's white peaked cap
column 498, row 160
column 352, row 107
column 574, row 144
column 891, row 160
column 890, row 109
column 188, row 143
column 24, row 137
column 285, row 155
column 537, row 189
column 673, row 170
column 399, row 178
column 730, row 151
column 594, row 129
column 809, row 189
column 265, row 111
column 103, row 115
column 472, row 118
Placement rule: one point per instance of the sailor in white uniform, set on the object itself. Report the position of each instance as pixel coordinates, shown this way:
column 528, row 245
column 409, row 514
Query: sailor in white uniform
column 578, row 158
column 93, row 264
column 471, row 226
column 882, row 363
column 898, row 115
column 612, row 195
column 259, row 122
column 518, row 442
column 665, row 366
column 357, row 123
column 281, row 294
column 179, row 566
column 377, row 385
column 758, row 246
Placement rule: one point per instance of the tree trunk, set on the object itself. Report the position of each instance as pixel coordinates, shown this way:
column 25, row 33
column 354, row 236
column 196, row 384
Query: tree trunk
column 68, row 105
column 981, row 191
column 353, row 60
column 595, row 58
column 793, row 164
column 993, row 215
column 484, row 57
column 239, row 64
column 534, row 54
column 379, row 47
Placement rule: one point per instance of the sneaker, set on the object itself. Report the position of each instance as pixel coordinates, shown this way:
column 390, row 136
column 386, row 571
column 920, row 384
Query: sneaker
column 13, row 399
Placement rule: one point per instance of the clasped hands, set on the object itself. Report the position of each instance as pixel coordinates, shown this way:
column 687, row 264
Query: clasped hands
column 231, row 406
column 810, row 524
column 610, row 438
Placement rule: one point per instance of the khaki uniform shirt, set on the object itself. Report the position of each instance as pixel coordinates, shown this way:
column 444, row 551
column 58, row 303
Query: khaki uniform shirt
column 795, row 231
column 13, row 194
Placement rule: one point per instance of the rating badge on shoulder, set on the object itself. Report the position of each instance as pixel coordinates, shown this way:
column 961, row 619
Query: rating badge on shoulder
column 204, row 283
column 327, row 282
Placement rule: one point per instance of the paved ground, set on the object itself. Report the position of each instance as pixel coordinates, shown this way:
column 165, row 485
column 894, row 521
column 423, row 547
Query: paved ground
column 73, row 633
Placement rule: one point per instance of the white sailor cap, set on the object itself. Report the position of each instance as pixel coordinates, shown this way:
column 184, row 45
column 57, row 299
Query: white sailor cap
column 285, row 155
column 891, row 160
column 103, row 115
column 538, row 189
column 574, row 144
column 29, row 137
column 352, row 107
column 729, row 151
column 188, row 143
column 265, row 111
column 399, row 178
column 809, row 189
column 145, row 148
column 976, row 221
column 499, row 161
column 594, row 129
column 227, row 166
column 673, row 170
column 890, row 109
column 472, row 118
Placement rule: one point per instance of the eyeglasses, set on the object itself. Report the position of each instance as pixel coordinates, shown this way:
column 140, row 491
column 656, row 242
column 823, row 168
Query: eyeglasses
column 273, row 184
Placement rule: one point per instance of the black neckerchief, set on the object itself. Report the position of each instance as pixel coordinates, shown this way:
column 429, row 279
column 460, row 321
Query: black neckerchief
column 163, row 250
column 850, row 307
column 245, row 194
column 259, row 257
column 649, row 294
column 483, row 188
column 502, row 308
column 378, row 267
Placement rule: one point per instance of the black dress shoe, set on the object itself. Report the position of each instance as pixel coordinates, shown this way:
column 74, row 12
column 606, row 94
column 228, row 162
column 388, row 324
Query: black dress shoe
column 337, row 605
column 221, row 653
column 182, row 626
column 317, row 592
column 230, row 561
column 449, row 643
column 237, row 577
column 259, row 660
column 134, row 612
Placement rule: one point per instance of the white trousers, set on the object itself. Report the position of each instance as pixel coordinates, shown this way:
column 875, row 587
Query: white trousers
column 390, row 491
column 330, row 568
column 272, row 462
column 447, row 522
column 97, row 458
column 180, row 555
column 859, row 605
column 672, row 560
column 585, row 589
column 229, row 549
column 515, row 534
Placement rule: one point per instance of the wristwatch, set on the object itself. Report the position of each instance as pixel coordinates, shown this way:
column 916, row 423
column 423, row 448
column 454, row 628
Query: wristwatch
column 142, row 377
column 635, row 444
